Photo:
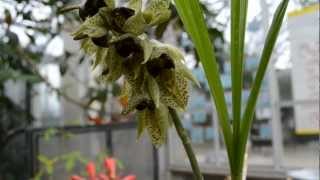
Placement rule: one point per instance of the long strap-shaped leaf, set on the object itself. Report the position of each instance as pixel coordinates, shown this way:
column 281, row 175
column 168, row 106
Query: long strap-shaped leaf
column 238, row 28
column 193, row 20
column 264, row 61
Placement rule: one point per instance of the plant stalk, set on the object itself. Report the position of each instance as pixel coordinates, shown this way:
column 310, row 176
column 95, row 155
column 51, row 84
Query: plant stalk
column 186, row 144
column 69, row 8
column 237, row 177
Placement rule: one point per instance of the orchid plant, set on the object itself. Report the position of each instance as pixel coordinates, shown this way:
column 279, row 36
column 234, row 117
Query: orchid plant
column 155, row 75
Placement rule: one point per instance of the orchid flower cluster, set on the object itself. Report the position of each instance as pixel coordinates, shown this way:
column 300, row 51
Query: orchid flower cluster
column 155, row 75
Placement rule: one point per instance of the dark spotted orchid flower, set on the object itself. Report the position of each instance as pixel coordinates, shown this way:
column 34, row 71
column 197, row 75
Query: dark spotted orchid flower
column 155, row 74
column 101, row 16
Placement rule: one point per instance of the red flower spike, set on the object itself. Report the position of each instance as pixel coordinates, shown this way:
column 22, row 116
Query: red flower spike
column 91, row 170
column 111, row 167
column 130, row 177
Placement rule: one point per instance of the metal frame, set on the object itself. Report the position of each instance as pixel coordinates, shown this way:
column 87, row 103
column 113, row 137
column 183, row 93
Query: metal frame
column 33, row 136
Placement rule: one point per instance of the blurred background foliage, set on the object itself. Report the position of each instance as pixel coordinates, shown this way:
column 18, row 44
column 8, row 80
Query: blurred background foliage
column 15, row 118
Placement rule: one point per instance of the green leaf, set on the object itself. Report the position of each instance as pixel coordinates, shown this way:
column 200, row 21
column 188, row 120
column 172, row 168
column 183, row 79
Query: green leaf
column 49, row 169
column 153, row 89
column 120, row 164
column 193, row 20
column 135, row 24
column 43, row 159
column 48, row 134
column 38, row 175
column 238, row 28
column 264, row 61
column 70, row 164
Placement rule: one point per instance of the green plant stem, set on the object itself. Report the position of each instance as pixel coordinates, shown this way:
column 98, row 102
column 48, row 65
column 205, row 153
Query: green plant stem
column 186, row 144
column 69, row 8
column 236, row 177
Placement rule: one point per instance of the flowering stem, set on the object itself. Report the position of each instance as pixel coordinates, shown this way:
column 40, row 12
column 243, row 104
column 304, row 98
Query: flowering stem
column 69, row 8
column 186, row 144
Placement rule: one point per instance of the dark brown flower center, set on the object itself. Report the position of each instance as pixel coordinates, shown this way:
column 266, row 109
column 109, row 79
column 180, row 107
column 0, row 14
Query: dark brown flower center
column 129, row 49
column 157, row 65
column 145, row 103
column 105, row 72
column 119, row 16
column 90, row 8
column 101, row 41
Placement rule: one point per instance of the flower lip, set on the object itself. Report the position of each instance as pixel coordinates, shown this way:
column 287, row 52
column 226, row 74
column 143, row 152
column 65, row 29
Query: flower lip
column 167, row 62
column 90, row 8
column 157, row 65
column 129, row 48
column 101, row 41
column 145, row 103
column 142, row 105
column 119, row 16
column 105, row 72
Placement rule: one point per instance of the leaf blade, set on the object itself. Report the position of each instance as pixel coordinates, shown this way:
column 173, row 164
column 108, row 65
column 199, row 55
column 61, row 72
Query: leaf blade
column 193, row 20
column 265, row 58
column 238, row 27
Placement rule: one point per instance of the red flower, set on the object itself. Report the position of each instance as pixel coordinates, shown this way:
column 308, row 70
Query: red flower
column 111, row 167
column 96, row 120
column 75, row 177
column 130, row 177
column 91, row 170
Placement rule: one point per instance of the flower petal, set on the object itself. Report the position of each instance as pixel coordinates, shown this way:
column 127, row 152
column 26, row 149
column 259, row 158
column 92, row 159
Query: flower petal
column 135, row 24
